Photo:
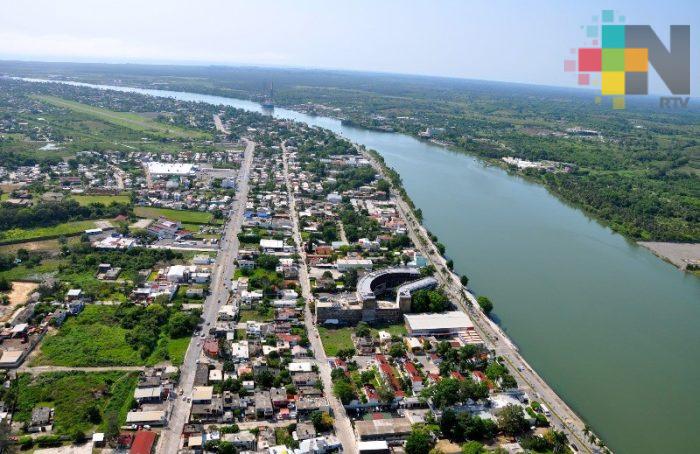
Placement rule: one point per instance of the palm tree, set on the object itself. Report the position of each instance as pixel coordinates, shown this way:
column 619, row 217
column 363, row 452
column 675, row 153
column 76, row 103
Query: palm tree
column 586, row 429
column 558, row 440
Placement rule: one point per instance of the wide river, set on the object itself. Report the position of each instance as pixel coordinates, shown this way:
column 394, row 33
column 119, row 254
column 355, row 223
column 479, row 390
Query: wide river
column 612, row 328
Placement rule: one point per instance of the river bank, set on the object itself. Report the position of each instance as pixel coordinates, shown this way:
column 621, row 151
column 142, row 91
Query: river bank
column 562, row 416
column 686, row 256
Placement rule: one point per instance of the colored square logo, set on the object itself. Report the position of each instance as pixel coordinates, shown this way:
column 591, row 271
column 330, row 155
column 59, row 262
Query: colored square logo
column 613, row 83
column 637, row 60
column 589, row 60
column 613, row 59
column 584, row 79
column 614, row 36
column 618, row 103
column 637, row 83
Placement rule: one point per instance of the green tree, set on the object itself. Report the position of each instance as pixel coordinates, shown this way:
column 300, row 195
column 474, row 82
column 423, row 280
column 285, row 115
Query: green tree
column 420, row 441
column 93, row 415
column 485, row 304
column 511, row 420
column 5, row 285
column 429, row 301
column 383, row 185
column 362, row 330
column 181, row 324
column 322, row 421
column 78, row 437
column 343, row 391
column 226, row 447
column 268, row 262
column 557, row 440
column 397, row 350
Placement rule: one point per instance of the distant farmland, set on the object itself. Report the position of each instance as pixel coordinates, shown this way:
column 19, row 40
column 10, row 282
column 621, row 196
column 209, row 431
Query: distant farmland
column 125, row 119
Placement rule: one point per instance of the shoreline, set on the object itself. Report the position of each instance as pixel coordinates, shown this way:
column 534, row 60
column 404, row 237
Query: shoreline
column 684, row 256
column 563, row 416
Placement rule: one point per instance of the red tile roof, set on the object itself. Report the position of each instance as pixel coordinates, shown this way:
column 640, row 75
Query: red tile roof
column 143, row 442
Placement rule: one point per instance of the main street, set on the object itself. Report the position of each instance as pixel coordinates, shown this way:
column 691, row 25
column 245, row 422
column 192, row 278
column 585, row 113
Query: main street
column 562, row 416
column 219, row 294
column 342, row 425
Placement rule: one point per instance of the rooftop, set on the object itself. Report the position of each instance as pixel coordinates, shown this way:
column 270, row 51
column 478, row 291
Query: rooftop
column 453, row 320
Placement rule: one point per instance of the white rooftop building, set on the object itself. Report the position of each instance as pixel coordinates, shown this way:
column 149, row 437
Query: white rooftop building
column 157, row 169
column 444, row 324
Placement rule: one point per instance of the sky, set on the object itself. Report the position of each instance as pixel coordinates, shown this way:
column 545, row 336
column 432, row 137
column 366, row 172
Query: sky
column 512, row 41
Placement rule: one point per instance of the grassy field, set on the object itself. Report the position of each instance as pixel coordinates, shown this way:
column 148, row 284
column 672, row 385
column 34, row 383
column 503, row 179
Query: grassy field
column 189, row 217
column 93, row 339
column 124, row 119
column 67, row 228
column 72, row 394
column 249, row 315
column 103, row 199
column 35, row 273
column 36, row 246
column 177, row 349
column 335, row 339
column 398, row 329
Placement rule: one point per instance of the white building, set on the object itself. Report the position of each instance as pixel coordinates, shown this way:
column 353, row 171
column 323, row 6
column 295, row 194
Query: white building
column 444, row 324
column 165, row 169
column 353, row 264
column 178, row 273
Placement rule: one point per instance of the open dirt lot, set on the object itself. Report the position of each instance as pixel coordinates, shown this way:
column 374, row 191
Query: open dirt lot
column 19, row 294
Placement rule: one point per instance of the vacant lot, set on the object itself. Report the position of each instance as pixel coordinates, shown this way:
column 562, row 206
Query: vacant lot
column 80, row 400
column 67, row 228
column 335, row 339
column 48, row 246
column 34, row 274
column 91, row 339
column 125, row 119
column 188, row 217
column 19, row 295
column 177, row 349
column 249, row 315
column 94, row 339
column 103, row 199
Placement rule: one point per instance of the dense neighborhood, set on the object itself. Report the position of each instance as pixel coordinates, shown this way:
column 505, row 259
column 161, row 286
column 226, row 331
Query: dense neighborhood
column 272, row 293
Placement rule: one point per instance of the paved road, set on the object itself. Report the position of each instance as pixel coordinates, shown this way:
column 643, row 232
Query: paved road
column 220, row 285
column 118, row 175
column 219, row 125
column 563, row 418
column 342, row 425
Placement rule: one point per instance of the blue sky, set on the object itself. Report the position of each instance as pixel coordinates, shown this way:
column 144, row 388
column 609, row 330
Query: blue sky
column 511, row 41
